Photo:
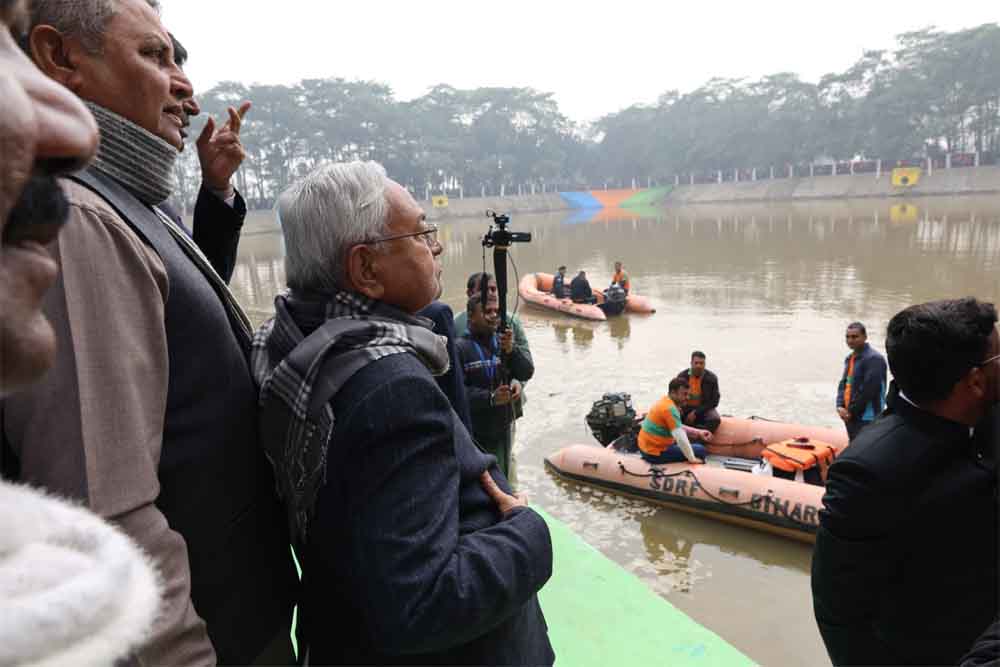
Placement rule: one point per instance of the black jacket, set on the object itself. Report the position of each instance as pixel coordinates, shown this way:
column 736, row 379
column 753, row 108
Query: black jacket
column 986, row 651
column 579, row 289
column 868, row 385
column 559, row 285
column 217, row 229
column 905, row 564
column 489, row 419
column 710, row 395
column 408, row 561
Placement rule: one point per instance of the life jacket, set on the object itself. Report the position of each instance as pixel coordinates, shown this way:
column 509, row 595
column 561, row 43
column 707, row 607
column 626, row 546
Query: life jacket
column 797, row 454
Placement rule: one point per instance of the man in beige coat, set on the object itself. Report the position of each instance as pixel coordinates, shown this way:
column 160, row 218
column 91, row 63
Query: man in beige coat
column 73, row 590
column 151, row 403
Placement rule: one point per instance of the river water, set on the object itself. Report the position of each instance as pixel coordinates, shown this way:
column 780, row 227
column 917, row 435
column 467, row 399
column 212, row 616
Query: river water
column 766, row 291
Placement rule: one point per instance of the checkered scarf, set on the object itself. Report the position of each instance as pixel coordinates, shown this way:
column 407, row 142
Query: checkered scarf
column 298, row 375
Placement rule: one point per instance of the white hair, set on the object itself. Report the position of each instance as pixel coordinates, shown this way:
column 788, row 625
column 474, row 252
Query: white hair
column 84, row 19
column 333, row 208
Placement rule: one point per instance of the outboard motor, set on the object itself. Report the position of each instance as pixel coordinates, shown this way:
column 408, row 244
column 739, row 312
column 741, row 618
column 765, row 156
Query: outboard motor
column 611, row 417
column 614, row 300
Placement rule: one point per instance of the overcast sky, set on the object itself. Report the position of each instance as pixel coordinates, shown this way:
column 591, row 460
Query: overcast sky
column 595, row 57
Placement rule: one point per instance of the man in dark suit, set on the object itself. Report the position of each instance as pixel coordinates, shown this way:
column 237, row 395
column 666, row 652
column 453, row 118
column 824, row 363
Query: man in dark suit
column 905, row 565
column 220, row 209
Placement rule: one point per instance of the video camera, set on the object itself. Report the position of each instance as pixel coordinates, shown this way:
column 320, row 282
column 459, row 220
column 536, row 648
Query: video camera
column 500, row 239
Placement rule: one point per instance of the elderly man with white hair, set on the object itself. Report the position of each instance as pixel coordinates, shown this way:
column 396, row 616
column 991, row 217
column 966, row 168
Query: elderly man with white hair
column 413, row 549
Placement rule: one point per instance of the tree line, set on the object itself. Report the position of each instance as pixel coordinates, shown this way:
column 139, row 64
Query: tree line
column 935, row 92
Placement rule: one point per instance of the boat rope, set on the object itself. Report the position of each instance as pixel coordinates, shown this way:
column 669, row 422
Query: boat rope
column 658, row 474
column 757, row 440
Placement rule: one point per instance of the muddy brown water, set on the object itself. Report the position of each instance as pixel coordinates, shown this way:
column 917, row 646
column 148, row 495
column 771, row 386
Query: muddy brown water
column 766, row 291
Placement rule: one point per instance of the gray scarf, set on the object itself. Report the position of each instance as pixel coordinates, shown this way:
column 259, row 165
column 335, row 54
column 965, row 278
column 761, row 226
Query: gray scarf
column 299, row 374
column 139, row 160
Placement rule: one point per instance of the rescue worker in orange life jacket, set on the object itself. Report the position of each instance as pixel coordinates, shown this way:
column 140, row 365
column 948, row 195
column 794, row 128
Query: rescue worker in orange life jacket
column 621, row 278
column 663, row 438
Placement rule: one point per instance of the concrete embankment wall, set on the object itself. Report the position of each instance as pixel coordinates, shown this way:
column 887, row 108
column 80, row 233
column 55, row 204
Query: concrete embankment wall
column 969, row 180
column 476, row 207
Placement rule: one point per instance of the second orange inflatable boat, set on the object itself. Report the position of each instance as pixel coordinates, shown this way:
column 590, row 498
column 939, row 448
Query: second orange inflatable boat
column 536, row 288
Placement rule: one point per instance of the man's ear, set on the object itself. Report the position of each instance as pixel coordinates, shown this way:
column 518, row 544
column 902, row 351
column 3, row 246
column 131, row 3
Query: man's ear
column 363, row 272
column 978, row 383
column 55, row 55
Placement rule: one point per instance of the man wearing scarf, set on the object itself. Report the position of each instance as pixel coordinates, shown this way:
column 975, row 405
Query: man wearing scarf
column 413, row 549
column 149, row 415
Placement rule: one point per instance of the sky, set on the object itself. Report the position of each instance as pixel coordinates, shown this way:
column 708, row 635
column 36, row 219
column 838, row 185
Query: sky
column 595, row 58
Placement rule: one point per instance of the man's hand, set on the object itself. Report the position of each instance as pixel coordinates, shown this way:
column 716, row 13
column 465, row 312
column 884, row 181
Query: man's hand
column 502, row 396
column 220, row 151
column 515, row 391
column 505, row 502
column 507, row 341
column 844, row 414
column 691, row 418
column 705, row 435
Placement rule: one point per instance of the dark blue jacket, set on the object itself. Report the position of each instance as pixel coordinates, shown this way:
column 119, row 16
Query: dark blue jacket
column 475, row 361
column 408, row 560
column 868, row 385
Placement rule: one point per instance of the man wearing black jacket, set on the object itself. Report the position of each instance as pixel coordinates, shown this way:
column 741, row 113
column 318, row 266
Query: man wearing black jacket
column 491, row 394
column 220, row 210
column 700, row 410
column 905, row 564
column 861, row 393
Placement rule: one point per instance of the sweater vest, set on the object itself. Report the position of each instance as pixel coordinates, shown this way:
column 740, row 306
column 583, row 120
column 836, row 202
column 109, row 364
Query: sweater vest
column 216, row 488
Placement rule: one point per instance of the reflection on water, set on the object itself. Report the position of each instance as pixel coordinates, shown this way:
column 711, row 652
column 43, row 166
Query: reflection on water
column 766, row 291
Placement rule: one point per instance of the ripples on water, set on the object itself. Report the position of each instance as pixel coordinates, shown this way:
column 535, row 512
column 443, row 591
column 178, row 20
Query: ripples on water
column 766, row 291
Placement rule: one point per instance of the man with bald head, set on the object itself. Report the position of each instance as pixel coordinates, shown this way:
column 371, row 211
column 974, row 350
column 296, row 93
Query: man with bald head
column 149, row 416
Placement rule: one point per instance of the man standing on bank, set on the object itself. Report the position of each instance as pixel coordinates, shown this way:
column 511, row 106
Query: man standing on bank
column 861, row 393
column 905, row 565
column 699, row 410
column 491, row 398
column 149, row 415
column 414, row 550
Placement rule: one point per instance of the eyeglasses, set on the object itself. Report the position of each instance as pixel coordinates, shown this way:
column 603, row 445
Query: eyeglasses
column 428, row 236
column 987, row 361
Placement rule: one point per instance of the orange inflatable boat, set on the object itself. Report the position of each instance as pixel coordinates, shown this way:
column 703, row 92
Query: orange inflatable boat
column 536, row 288
column 739, row 488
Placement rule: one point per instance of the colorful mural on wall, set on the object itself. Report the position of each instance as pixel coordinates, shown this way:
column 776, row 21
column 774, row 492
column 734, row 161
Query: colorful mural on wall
column 598, row 205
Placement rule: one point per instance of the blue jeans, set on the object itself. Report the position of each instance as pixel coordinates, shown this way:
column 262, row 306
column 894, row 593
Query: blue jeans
column 673, row 454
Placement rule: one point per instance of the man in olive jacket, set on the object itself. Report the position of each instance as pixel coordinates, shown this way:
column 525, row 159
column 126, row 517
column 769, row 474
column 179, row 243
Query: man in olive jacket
column 905, row 564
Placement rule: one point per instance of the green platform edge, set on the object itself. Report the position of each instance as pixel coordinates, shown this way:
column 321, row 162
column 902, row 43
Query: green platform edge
column 599, row 614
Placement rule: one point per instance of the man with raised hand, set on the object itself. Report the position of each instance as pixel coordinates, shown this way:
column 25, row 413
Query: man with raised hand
column 149, row 416
column 220, row 210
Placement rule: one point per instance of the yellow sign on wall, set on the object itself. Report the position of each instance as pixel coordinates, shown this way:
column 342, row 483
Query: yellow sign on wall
column 439, row 201
column 905, row 177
